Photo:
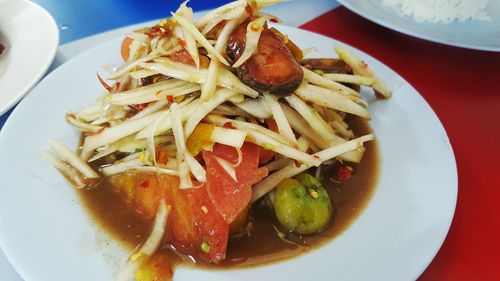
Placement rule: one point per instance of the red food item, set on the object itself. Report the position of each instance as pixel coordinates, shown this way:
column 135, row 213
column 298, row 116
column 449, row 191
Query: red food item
column 145, row 201
column 228, row 196
column 139, row 107
column 145, row 184
column 249, row 9
column 103, row 83
column 161, row 155
column 228, row 125
column 193, row 219
column 151, row 32
column 198, row 223
column 117, row 85
column 380, row 96
column 272, row 68
column 212, row 229
column 266, row 156
column 125, row 48
column 182, row 56
column 342, row 172
column 182, row 43
column 157, row 30
column 214, row 33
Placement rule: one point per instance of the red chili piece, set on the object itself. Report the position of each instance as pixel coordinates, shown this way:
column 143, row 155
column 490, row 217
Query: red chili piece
column 156, row 30
column 379, row 96
column 117, row 85
column 342, row 172
column 182, row 43
column 139, row 107
column 145, row 184
column 104, row 83
column 228, row 125
column 249, row 9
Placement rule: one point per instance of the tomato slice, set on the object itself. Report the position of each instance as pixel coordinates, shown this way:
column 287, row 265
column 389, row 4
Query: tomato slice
column 266, row 156
column 194, row 227
column 228, row 196
column 141, row 190
column 213, row 233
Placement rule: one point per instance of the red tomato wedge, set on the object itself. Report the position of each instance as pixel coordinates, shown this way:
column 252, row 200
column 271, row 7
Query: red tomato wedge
column 227, row 195
column 266, row 156
column 213, row 230
column 194, row 227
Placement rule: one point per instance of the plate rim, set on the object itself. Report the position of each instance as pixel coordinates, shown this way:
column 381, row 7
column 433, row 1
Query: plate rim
column 354, row 7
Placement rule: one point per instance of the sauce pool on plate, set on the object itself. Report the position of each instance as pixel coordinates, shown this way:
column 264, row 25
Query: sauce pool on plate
column 262, row 245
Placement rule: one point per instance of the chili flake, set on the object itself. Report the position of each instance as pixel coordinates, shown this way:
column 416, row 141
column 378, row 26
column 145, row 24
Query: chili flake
column 228, row 125
column 342, row 172
column 182, row 43
column 145, row 184
column 156, row 31
column 103, row 83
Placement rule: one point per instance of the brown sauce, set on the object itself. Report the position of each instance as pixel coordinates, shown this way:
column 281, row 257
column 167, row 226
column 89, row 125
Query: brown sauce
column 262, row 246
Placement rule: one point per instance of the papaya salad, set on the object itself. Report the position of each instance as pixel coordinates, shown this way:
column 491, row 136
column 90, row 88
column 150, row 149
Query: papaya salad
column 206, row 120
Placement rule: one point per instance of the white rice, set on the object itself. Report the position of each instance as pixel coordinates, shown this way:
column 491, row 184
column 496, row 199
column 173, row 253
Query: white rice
column 445, row 11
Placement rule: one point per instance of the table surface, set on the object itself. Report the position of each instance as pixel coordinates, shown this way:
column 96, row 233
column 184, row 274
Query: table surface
column 460, row 85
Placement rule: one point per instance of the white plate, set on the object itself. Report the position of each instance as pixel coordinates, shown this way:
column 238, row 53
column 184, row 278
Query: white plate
column 47, row 235
column 472, row 34
column 31, row 37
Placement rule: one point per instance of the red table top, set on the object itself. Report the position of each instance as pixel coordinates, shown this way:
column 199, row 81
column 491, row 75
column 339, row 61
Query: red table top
column 463, row 88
